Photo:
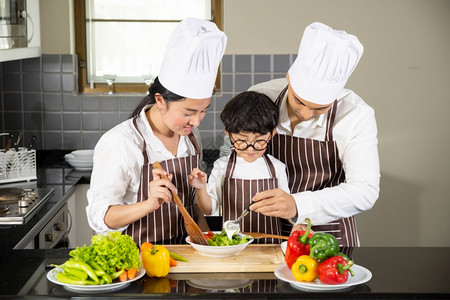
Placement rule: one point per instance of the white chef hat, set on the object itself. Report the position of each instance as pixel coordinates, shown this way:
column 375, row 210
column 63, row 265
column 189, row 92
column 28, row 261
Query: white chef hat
column 326, row 59
column 194, row 51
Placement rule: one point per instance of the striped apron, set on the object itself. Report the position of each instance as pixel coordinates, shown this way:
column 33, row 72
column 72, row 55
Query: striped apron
column 237, row 195
column 165, row 225
column 314, row 165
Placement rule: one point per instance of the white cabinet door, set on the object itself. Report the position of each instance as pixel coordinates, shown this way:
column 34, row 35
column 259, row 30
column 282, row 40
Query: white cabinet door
column 81, row 232
column 33, row 35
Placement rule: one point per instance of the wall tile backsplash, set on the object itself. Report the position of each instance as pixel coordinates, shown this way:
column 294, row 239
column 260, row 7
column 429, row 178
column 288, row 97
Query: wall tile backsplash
column 39, row 97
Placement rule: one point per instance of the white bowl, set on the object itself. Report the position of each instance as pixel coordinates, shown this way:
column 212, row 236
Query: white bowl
column 219, row 251
column 83, row 154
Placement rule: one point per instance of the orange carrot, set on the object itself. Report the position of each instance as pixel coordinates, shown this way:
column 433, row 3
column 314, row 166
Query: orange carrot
column 173, row 262
column 131, row 273
column 124, row 276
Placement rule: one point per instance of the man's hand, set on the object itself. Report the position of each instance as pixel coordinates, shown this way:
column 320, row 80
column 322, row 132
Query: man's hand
column 275, row 203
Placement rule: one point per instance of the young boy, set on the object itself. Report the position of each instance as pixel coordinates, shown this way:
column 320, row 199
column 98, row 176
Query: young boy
column 250, row 120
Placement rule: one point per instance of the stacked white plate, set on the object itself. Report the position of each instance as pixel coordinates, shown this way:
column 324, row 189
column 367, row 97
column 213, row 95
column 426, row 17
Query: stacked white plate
column 81, row 160
column 225, row 149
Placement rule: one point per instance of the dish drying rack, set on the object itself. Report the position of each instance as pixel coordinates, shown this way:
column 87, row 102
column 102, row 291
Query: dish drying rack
column 17, row 164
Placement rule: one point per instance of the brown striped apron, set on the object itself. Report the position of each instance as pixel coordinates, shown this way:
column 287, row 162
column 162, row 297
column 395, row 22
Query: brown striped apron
column 165, row 225
column 237, row 195
column 314, row 165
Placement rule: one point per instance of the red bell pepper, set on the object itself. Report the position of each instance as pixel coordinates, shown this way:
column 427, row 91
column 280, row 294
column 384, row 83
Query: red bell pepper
column 297, row 244
column 335, row 270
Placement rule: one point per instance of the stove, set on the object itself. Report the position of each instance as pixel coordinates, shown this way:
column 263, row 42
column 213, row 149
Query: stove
column 18, row 205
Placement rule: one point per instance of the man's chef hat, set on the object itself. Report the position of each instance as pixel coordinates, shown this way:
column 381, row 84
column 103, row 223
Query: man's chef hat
column 326, row 59
column 193, row 54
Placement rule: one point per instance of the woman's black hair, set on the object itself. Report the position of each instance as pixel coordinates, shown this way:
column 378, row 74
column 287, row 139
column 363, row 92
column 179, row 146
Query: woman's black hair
column 155, row 88
column 250, row 112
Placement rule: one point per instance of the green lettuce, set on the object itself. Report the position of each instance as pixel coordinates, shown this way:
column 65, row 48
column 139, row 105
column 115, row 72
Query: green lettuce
column 222, row 239
column 113, row 251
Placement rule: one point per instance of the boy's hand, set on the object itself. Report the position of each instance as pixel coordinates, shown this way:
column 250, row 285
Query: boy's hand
column 198, row 179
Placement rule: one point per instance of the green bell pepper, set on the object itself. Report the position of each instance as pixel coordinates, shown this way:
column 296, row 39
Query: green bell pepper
column 323, row 246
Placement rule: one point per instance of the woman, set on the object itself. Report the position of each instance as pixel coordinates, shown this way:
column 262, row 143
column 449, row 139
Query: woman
column 126, row 193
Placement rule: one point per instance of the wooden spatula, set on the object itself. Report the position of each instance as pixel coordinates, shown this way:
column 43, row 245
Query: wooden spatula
column 259, row 235
column 195, row 233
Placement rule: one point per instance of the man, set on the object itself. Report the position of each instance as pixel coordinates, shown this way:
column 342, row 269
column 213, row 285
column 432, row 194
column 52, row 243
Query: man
column 327, row 137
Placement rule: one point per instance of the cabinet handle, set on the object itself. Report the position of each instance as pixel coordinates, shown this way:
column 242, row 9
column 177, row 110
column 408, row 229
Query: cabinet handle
column 58, row 226
column 50, row 237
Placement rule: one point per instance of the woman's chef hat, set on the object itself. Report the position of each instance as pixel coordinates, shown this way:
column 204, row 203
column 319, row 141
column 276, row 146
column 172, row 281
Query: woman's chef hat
column 326, row 59
column 193, row 54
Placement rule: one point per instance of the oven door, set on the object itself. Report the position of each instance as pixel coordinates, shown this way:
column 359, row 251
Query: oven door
column 53, row 235
column 55, row 231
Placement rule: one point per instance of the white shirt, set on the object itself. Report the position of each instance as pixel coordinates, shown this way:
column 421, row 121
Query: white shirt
column 243, row 170
column 118, row 162
column 355, row 132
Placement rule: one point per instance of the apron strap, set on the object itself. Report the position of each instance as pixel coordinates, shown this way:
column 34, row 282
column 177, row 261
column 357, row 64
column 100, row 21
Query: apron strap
column 280, row 96
column 231, row 164
column 144, row 150
column 270, row 166
column 330, row 122
column 194, row 143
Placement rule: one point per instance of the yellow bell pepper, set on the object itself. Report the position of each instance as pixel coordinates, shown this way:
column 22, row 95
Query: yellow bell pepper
column 157, row 285
column 305, row 268
column 156, row 261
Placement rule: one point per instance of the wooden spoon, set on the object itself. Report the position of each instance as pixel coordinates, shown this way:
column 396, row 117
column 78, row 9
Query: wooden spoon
column 195, row 233
column 259, row 235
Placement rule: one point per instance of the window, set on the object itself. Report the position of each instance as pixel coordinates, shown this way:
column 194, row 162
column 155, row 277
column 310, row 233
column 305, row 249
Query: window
column 124, row 40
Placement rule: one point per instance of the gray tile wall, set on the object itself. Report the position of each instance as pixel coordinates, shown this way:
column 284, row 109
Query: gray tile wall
column 39, row 97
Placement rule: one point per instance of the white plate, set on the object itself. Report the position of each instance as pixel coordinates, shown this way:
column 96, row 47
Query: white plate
column 51, row 275
column 283, row 247
column 219, row 251
column 210, row 284
column 362, row 275
column 69, row 159
column 69, row 156
column 79, row 165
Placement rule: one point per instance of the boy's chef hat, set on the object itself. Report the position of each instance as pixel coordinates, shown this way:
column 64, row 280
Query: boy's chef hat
column 194, row 51
column 326, row 59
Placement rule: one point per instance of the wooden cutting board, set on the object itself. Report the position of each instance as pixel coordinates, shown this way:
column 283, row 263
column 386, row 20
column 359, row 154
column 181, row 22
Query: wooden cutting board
column 254, row 258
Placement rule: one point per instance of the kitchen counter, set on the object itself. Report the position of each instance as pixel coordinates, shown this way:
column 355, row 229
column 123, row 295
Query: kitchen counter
column 52, row 172
column 403, row 272
column 419, row 273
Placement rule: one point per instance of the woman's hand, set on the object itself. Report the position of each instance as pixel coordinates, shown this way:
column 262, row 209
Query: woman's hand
column 198, row 179
column 160, row 190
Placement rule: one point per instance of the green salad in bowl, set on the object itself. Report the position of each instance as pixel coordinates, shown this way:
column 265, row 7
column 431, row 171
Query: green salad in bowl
column 219, row 245
column 221, row 239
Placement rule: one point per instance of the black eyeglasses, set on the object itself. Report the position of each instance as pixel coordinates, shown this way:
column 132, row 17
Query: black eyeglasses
column 258, row 145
